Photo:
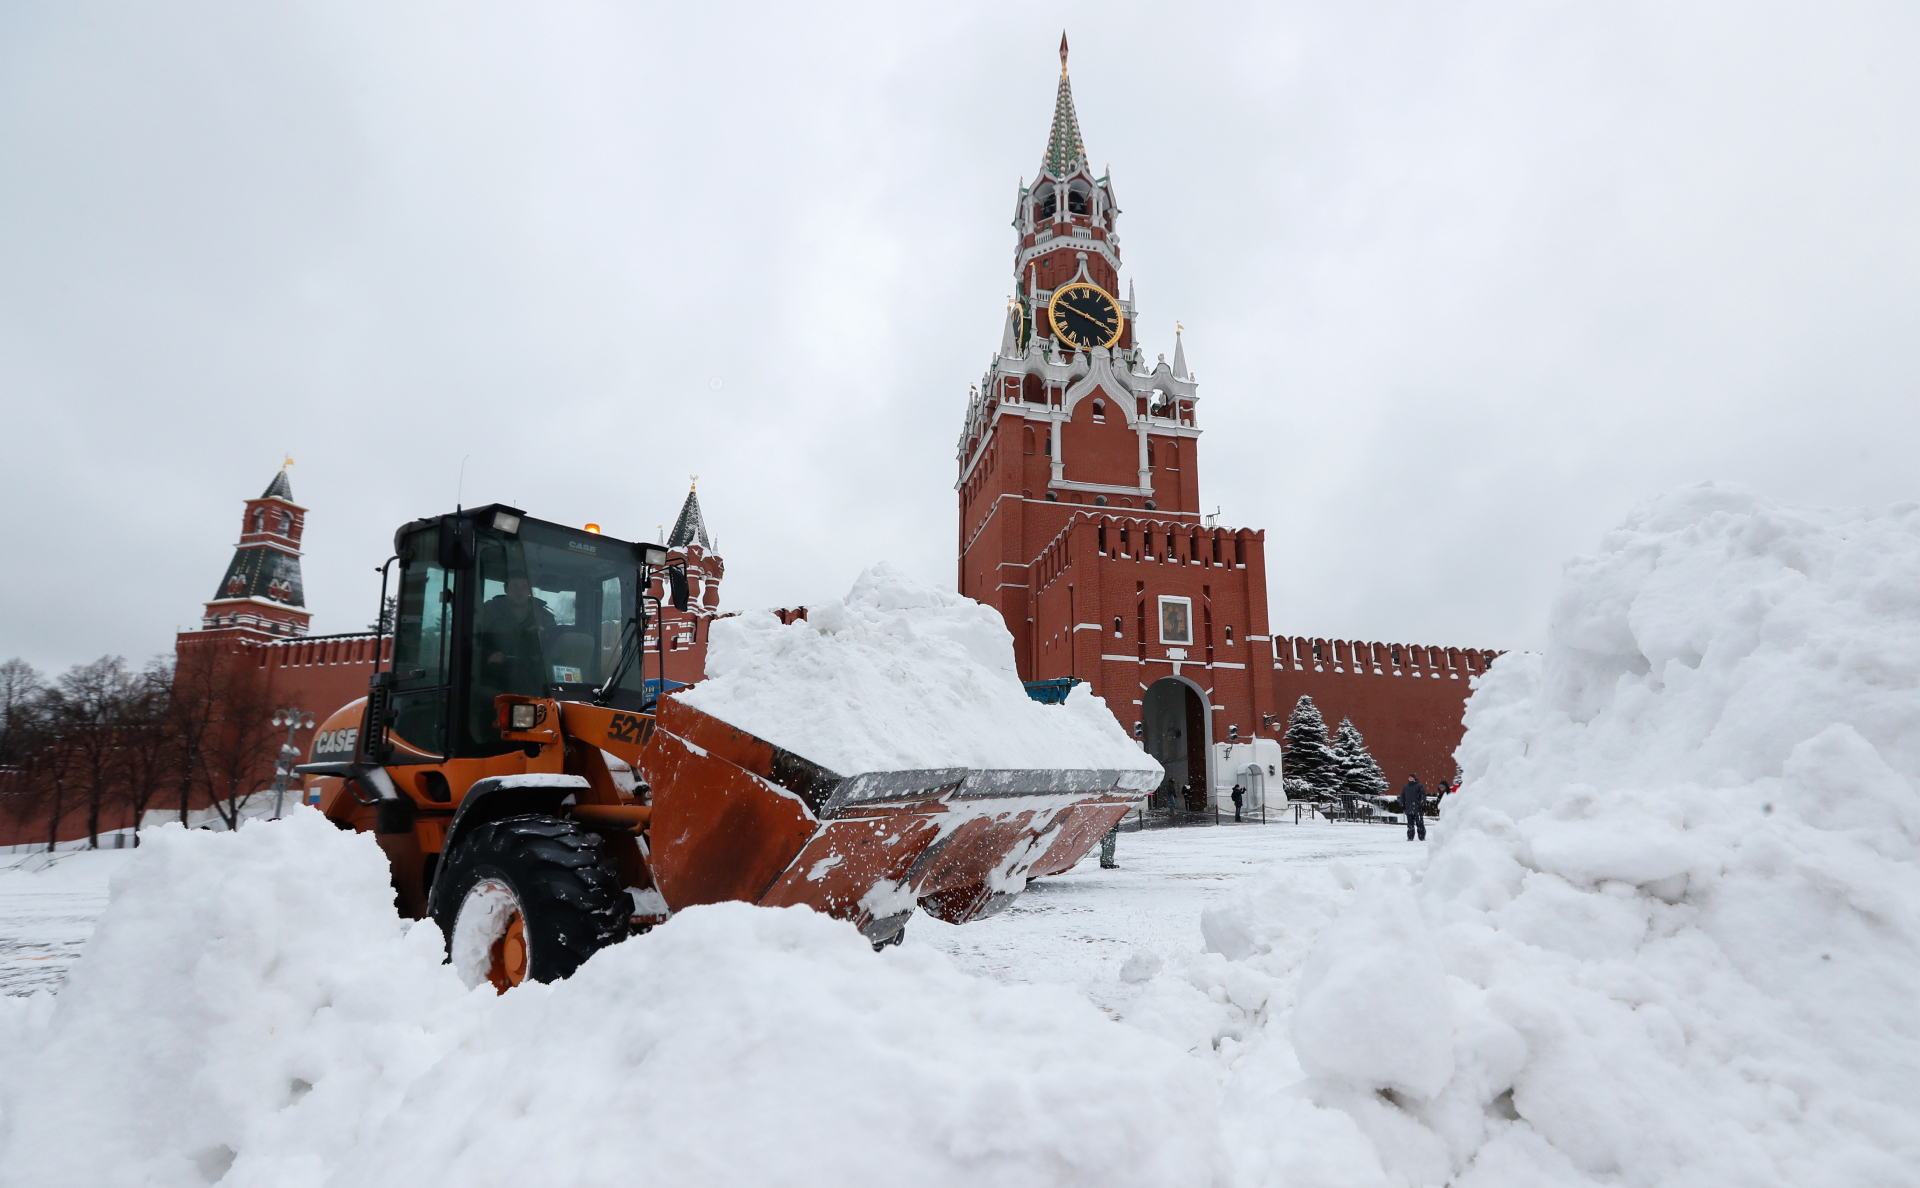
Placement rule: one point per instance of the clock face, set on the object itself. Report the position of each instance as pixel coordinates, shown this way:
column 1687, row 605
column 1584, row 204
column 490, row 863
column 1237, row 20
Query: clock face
column 1085, row 316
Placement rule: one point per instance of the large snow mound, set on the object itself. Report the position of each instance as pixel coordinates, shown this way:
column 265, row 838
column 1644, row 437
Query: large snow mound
column 900, row 676
column 252, row 1011
column 1669, row 933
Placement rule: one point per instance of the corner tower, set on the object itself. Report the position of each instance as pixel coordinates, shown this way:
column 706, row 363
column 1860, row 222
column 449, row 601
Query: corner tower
column 261, row 595
column 1079, row 491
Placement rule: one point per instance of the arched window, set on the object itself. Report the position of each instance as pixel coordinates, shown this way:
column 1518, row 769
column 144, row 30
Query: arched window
column 286, row 523
column 1100, row 410
column 1076, row 201
column 1116, row 626
column 1229, row 633
column 1149, row 453
column 1029, row 439
column 1047, row 206
column 259, row 519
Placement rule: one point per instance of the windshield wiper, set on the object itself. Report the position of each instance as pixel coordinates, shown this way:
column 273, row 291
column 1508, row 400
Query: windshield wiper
column 629, row 652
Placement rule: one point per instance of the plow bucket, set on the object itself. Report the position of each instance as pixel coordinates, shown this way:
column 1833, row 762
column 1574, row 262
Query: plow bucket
column 737, row 818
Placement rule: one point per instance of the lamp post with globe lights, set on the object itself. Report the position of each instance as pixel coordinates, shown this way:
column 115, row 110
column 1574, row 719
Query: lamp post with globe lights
column 294, row 720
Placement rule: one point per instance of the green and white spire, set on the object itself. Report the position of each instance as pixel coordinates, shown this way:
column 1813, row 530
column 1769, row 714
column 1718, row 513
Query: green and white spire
column 1065, row 150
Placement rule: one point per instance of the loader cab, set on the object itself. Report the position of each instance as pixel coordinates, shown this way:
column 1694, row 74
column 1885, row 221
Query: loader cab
column 492, row 601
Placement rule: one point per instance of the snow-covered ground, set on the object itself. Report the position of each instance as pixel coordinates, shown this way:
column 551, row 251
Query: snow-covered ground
column 1079, row 928
column 1075, row 929
column 47, row 910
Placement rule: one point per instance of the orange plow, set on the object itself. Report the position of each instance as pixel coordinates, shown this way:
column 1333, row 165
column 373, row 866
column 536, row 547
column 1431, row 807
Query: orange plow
column 735, row 817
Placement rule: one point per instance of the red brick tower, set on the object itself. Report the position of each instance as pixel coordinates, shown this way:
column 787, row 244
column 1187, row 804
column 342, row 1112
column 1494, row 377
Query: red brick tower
column 260, row 597
column 1079, row 492
column 686, row 634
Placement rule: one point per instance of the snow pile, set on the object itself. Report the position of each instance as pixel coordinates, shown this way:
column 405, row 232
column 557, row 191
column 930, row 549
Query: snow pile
column 1670, row 932
column 899, row 676
column 250, row 1010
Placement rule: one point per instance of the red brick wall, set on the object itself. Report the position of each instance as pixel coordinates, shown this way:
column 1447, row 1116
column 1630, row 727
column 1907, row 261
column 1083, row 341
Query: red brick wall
column 1409, row 712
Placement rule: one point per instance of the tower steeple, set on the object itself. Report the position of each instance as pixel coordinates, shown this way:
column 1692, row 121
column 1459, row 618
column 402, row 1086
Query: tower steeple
column 1065, row 150
column 691, row 527
column 261, row 594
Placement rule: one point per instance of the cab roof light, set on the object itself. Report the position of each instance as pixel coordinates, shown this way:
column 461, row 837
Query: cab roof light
column 652, row 555
column 507, row 522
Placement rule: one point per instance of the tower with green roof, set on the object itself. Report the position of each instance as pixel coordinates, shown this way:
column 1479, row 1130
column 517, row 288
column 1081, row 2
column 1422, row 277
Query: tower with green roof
column 261, row 595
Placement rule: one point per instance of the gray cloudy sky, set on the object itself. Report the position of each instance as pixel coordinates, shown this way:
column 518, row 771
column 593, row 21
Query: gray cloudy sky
column 1463, row 283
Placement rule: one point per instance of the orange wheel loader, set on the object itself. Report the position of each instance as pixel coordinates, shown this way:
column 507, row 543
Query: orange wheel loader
column 540, row 798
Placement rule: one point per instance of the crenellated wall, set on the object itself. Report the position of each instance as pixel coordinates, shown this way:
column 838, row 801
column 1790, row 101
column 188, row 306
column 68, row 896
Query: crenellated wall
column 1406, row 699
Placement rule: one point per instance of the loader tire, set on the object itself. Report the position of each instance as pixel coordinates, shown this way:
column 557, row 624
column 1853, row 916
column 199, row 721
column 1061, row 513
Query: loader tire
column 541, row 895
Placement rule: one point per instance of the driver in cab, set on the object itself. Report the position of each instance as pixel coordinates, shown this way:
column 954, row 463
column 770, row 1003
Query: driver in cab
column 511, row 629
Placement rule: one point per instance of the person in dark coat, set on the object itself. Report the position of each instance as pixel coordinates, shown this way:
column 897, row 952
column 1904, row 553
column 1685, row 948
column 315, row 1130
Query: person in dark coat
column 1413, row 802
column 1239, row 797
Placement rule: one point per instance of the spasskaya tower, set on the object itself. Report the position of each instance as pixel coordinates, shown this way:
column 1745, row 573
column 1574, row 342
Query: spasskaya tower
column 1079, row 494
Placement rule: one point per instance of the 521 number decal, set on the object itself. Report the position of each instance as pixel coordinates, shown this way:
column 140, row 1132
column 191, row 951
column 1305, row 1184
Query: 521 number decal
column 627, row 728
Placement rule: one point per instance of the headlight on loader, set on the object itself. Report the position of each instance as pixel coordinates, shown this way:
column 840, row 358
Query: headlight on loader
column 523, row 716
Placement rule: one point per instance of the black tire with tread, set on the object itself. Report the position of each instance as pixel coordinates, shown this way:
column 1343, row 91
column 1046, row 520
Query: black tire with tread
column 567, row 884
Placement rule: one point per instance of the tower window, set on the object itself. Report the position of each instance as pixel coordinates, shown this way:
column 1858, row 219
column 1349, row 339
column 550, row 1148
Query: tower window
column 259, row 520
column 1116, row 626
column 1229, row 631
column 1100, row 410
column 1047, row 206
column 1076, row 202
column 286, row 523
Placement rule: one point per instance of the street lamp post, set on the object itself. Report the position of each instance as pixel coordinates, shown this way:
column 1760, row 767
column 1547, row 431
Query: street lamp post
column 293, row 720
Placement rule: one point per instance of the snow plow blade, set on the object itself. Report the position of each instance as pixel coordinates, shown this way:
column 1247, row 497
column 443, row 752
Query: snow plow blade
column 737, row 818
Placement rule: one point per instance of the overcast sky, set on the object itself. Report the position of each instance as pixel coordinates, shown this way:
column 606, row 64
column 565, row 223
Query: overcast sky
column 1462, row 283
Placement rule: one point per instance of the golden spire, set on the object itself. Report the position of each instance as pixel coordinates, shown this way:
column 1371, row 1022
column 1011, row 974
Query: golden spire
column 693, row 482
column 1063, row 53
column 288, row 461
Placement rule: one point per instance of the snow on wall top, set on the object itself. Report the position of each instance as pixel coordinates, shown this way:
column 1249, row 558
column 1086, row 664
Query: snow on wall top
column 899, row 676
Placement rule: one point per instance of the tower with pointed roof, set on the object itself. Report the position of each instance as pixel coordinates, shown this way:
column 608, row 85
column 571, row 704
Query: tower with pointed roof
column 686, row 633
column 1079, row 494
column 1081, row 523
column 261, row 596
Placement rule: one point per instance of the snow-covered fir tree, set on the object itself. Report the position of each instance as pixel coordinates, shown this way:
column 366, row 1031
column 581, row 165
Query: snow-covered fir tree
column 1312, row 771
column 1360, row 773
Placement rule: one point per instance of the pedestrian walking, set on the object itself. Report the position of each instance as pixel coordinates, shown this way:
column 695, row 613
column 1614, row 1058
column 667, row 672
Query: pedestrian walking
column 1239, row 798
column 1413, row 801
column 1107, row 845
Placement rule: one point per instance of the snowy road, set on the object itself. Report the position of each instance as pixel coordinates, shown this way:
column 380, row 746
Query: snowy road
column 47, row 914
column 1074, row 929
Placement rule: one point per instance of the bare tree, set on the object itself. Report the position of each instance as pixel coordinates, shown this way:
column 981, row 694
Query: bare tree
column 24, row 736
column 222, row 722
column 151, row 753
column 191, row 709
column 22, row 711
column 91, row 703
column 48, row 774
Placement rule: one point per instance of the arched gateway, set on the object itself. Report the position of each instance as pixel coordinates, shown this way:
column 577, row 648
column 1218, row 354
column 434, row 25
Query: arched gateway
column 1174, row 714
